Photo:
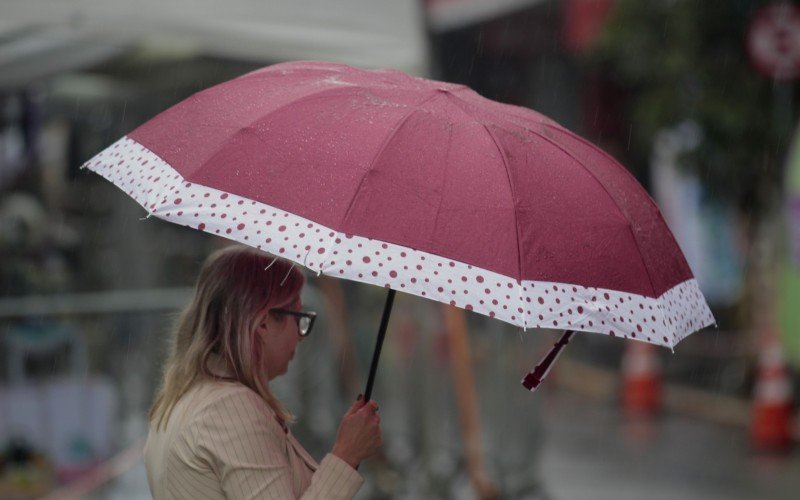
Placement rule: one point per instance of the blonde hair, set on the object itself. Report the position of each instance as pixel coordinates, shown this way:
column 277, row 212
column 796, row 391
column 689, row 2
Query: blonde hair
column 234, row 285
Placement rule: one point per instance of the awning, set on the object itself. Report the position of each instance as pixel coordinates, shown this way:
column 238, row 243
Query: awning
column 44, row 37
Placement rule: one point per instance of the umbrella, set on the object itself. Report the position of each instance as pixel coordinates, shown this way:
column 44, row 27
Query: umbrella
column 418, row 186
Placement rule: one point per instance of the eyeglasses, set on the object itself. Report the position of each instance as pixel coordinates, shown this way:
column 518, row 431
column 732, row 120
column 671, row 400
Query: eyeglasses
column 305, row 320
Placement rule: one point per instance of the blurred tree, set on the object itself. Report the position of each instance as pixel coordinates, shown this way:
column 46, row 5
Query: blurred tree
column 686, row 60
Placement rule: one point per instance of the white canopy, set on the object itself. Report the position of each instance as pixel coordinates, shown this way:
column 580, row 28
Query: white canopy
column 43, row 37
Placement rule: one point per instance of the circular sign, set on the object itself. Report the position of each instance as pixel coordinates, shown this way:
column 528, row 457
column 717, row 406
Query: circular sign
column 773, row 41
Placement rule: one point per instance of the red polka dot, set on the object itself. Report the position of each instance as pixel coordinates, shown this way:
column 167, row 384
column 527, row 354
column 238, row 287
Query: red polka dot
column 366, row 259
column 240, row 227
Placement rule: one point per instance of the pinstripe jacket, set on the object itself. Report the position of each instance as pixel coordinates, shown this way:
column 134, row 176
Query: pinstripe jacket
column 223, row 441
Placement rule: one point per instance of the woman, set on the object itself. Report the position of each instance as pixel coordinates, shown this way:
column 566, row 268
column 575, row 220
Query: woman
column 216, row 429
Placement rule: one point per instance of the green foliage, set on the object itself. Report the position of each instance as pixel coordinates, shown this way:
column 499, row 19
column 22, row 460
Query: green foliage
column 686, row 60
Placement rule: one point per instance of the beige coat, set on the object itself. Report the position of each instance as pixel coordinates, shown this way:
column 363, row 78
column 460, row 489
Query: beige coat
column 224, row 441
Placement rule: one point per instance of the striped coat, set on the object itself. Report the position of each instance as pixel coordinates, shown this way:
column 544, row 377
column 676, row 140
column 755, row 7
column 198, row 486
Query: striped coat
column 223, row 441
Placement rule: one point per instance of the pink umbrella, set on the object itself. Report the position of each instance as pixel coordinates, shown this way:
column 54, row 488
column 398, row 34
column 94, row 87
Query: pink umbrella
column 419, row 186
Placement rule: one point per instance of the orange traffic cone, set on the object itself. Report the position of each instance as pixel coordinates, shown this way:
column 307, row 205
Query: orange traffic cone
column 641, row 379
column 771, row 427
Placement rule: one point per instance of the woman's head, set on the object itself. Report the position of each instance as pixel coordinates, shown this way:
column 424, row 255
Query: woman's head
column 229, row 319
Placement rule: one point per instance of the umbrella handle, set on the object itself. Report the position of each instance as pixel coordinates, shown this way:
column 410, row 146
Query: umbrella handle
column 387, row 311
column 534, row 378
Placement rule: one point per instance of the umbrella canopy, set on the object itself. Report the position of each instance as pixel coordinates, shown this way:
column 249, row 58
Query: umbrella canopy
column 419, row 186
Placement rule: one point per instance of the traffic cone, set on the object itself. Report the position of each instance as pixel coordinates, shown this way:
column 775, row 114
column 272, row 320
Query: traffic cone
column 641, row 379
column 771, row 427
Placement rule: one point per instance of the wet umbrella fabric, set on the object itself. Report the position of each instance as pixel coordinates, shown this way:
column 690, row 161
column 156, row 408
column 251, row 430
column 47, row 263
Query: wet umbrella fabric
column 419, row 186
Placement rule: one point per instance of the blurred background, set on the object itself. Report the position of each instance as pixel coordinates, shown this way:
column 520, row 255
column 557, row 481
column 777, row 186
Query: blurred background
column 697, row 99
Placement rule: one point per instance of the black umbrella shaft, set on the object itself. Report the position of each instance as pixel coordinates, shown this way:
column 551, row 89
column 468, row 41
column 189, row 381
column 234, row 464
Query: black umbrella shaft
column 387, row 311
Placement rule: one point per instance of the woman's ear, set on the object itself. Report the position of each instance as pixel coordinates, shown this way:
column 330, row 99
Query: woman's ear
column 262, row 321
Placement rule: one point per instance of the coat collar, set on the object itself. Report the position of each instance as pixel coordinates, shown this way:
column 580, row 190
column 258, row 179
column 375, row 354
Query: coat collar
column 219, row 368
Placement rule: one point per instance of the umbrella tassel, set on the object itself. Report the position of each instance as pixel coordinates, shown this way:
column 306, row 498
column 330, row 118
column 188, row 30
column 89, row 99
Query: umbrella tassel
column 534, row 378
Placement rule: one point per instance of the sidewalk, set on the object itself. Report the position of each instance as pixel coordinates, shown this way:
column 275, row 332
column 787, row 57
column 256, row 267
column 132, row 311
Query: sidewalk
column 593, row 452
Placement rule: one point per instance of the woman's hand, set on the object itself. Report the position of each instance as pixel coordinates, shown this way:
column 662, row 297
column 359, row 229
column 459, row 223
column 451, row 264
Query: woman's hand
column 359, row 435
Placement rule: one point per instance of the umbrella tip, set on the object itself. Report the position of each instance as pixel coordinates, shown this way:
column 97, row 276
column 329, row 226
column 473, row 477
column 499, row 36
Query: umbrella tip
column 287, row 274
column 270, row 264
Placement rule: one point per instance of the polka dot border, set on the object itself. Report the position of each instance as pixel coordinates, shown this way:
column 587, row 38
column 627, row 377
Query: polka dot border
column 164, row 193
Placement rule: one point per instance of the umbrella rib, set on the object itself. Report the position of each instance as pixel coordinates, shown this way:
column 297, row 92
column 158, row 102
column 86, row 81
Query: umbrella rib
column 516, row 226
column 377, row 155
column 321, row 94
column 630, row 227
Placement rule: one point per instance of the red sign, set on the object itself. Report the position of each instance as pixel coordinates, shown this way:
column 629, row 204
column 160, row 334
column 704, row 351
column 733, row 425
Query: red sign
column 773, row 41
column 583, row 21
